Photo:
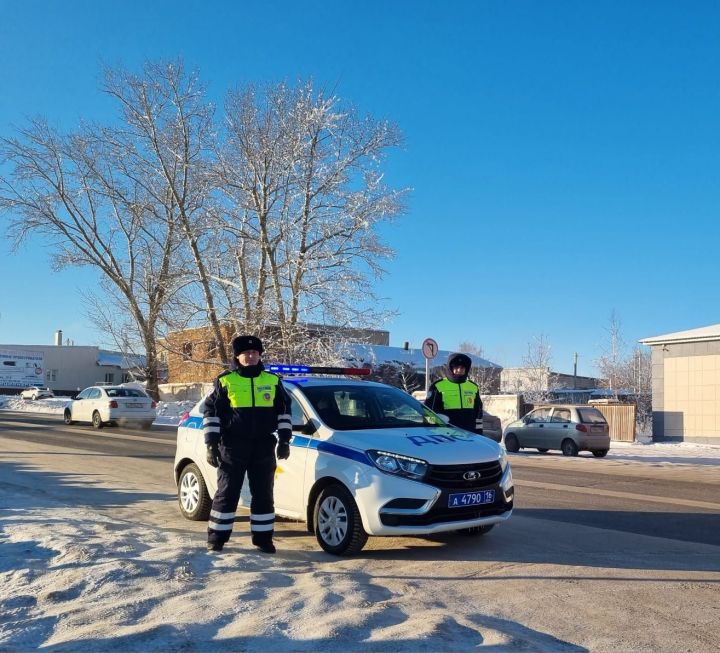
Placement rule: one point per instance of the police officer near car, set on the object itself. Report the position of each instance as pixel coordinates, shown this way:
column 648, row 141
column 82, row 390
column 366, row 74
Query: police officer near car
column 455, row 395
column 247, row 405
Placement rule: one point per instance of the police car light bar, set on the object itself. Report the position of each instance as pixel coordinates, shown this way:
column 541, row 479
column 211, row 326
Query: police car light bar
column 306, row 369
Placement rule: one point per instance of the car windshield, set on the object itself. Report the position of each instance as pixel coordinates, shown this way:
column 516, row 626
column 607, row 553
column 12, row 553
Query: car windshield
column 591, row 416
column 124, row 392
column 352, row 407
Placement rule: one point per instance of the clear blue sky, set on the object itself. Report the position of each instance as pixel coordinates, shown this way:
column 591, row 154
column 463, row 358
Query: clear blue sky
column 564, row 156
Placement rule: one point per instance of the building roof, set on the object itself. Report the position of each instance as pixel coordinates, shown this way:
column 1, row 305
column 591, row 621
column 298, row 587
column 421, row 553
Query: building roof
column 379, row 354
column 711, row 332
column 118, row 359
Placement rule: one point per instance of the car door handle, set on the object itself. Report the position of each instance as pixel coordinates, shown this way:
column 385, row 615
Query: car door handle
column 541, row 426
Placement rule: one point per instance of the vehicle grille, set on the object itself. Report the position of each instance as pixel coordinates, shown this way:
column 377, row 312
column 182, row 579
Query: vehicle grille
column 443, row 515
column 452, row 476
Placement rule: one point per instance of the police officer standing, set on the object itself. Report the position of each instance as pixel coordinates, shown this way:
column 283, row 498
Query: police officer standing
column 246, row 406
column 456, row 396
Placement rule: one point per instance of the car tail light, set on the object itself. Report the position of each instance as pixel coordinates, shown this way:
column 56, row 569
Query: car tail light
column 153, row 405
column 581, row 427
column 113, row 404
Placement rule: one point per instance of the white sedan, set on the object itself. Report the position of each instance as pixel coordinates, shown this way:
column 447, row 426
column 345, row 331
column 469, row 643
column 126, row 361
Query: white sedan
column 102, row 405
column 35, row 393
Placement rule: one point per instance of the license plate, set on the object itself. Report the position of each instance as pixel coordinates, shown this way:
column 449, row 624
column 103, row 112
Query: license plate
column 131, row 404
column 462, row 499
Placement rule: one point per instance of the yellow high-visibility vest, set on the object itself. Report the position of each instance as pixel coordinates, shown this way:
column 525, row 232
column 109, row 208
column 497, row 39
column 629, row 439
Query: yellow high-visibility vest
column 248, row 392
column 457, row 395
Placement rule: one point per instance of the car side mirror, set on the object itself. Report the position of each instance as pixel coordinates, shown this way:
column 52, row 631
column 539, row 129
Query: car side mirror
column 308, row 428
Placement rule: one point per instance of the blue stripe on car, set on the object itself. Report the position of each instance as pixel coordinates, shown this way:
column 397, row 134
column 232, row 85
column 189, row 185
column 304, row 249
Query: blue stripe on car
column 193, row 422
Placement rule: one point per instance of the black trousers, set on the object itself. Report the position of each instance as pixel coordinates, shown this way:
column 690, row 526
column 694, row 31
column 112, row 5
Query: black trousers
column 257, row 461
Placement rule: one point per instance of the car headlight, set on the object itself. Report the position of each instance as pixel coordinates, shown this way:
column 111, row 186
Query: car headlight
column 395, row 463
column 502, row 459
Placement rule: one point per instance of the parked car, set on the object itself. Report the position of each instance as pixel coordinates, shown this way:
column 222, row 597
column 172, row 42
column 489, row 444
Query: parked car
column 366, row 459
column 102, row 405
column 568, row 428
column 35, row 393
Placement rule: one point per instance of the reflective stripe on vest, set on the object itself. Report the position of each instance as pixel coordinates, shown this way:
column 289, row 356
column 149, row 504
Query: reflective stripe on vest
column 457, row 395
column 246, row 392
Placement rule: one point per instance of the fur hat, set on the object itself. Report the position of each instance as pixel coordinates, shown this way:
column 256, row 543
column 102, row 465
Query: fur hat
column 243, row 343
column 459, row 359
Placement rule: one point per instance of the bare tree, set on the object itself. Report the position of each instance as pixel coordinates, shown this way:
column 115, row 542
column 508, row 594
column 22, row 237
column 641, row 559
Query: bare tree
column 630, row 372
column 80, row 192
column 611, row 363
column 537, row 375
column 169, row 124
column 399, row 374
column 303, row 194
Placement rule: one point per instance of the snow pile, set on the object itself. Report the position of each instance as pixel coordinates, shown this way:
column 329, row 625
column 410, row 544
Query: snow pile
column 168, row 413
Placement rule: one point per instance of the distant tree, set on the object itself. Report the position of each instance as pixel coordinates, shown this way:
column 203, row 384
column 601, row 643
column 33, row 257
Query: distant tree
column 630, row 371
column 611, row 363
column 535, row 385
column 399, row 374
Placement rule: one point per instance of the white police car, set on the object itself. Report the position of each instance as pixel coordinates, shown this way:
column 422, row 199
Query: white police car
column 365, row 459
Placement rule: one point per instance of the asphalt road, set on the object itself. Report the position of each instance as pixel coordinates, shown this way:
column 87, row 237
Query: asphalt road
column 681, row 503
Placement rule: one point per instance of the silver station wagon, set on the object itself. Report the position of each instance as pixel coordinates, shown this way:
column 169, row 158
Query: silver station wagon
column 568, row 428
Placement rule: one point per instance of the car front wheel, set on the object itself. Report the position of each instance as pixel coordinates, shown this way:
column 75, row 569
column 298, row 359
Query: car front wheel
column 67, row 418
column 338, row 527
column 569, row 448
column 511, row 443
column 193, row 496
column 97, row 420
column 600, row 453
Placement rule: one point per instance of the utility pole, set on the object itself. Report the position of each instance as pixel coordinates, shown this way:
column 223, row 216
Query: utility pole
column 575, row 356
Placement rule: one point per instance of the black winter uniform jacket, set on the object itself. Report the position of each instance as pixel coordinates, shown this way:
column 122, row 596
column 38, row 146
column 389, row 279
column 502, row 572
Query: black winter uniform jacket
column 233, row 427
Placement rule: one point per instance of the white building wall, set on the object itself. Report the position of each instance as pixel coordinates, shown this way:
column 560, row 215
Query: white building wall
column 68, row 368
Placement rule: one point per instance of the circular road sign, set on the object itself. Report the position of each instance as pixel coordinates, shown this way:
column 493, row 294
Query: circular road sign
column 429, row 348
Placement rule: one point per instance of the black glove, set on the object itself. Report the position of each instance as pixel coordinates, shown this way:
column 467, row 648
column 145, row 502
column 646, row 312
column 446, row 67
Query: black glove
column 213, row 455
column 283, row 450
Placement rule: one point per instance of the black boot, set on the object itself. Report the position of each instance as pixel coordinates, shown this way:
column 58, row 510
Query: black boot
column 214, row 546
column 264, row 544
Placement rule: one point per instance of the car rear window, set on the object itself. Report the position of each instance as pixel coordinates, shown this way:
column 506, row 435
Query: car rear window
column 591, row 416
column 125, row 392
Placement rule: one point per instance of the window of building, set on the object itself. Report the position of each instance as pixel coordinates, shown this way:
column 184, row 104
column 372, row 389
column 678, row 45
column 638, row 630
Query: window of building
column 187, row 350
column 109, row 377
column 51, row 375
column 213, row 349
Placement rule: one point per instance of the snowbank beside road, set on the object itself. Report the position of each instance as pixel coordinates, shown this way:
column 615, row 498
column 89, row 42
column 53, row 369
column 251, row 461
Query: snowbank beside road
column 168, row 413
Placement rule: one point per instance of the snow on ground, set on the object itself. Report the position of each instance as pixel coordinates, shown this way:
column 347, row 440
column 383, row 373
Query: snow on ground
column 168, row 413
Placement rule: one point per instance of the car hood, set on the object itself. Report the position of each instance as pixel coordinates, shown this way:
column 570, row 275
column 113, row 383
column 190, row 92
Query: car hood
column 437, row 445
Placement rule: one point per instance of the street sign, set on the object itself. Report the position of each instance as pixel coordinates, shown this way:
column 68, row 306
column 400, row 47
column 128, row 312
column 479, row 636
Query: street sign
column 429, row 348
